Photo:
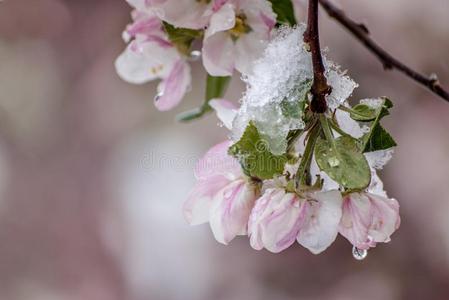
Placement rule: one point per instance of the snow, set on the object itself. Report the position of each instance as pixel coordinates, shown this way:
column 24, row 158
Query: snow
column 275, row 79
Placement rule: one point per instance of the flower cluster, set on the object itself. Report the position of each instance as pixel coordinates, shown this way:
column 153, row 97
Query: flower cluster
column 287, row 173
column 323, row 182
column 163, row 34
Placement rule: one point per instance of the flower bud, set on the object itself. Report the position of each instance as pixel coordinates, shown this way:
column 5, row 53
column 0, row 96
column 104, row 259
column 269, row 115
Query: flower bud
column 369, row 219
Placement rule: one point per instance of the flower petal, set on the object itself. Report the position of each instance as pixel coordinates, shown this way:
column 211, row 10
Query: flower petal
column 248, row 48
column 321, row 227
column 196, row 207
column 217, row 161
column 230, row 210
column 369, row 219
column 222, row 20
column 173, row 88
column 218, row 54
column 141, row 63
column 226, row 111
column 183, row 13
column 276, row 220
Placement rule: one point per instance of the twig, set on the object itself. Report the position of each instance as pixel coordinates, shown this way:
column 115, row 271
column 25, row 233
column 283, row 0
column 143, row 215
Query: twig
column 320, row 88
column 361, row 33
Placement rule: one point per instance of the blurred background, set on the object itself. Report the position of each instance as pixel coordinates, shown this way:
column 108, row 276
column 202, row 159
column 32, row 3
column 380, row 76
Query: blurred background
column 92, row 176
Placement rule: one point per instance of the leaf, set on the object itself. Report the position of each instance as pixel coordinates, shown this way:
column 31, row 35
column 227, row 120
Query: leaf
column 378, row 138
column 295, row 109
column 342, row 161
column 363, row 113
column 215, row 88
column 182, row 38
column 253, row 153
column 284, row 11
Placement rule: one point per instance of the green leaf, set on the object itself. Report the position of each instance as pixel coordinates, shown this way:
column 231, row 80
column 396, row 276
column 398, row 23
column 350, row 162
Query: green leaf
column 215, row 88
column 379, row 139
column 342, row 161
column 284, row 11
column 254, row 155
column 363, row 113
column 182, row 38
column 295, row 109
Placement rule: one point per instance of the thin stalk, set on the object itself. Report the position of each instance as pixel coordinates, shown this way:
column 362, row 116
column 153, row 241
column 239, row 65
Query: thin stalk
column 303, row 173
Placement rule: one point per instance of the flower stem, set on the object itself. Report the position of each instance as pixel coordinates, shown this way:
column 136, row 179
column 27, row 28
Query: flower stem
column 303, row 173
column 320, row 88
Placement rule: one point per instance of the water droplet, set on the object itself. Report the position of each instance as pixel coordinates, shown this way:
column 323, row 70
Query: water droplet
column 333, row 162
column 359, row 254
column 195, row 55
column 158, row 96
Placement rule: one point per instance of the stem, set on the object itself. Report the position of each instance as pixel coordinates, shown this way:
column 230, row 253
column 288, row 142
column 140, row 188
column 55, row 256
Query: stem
column 302, row 172
column 320, row 88
column 389, row 62
column 327, row 130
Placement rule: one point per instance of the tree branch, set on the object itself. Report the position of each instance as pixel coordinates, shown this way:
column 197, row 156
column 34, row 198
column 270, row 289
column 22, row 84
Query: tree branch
column 389, row 62
column 320, row 88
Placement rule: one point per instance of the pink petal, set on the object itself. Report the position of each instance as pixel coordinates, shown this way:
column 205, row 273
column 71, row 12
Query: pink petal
column 321, row 227
column 141, row 63
column 184, row 13
column 196, row 207
column 222, row 20
column 276, row 220
column 217, row 161
column 174, row 87
column 218, row 54
column 230, row 210
column 369, row 219
column 248, row 48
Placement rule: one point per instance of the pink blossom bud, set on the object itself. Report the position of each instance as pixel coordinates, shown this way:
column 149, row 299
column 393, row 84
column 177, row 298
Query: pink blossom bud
column 369, row 219
column 276, row 220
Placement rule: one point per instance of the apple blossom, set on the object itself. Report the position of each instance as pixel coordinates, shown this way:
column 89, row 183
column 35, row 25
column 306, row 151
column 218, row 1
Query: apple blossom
column 223, row 195
column 237, row 35
column 150, row 55
column 276, row 220
column 368, row 219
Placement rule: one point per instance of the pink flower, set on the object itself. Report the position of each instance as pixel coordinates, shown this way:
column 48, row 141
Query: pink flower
column 193, row 14
column 222, row 195
column 369, row 219
column 149, row 56
column 279, row 218
column 323, row 216
column 236, row 36
column 276, row 220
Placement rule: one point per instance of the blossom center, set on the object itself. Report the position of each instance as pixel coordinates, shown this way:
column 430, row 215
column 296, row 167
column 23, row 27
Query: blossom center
column 240, row 28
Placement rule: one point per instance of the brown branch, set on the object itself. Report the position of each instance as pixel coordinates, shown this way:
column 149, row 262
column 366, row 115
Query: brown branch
column 320, row 88
column 389, row 62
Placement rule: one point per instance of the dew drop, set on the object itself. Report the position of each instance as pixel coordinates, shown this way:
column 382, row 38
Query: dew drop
column 359, row 254
column 158, row 96
column 195, row 55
